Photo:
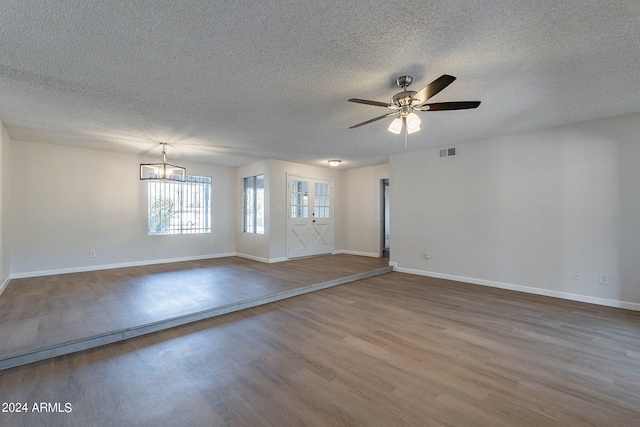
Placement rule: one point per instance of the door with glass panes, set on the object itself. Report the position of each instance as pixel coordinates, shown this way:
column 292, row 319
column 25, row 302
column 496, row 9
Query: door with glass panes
column 309, row 216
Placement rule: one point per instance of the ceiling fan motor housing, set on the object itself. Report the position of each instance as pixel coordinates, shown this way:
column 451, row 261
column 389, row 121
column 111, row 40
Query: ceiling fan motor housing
column 402, row 99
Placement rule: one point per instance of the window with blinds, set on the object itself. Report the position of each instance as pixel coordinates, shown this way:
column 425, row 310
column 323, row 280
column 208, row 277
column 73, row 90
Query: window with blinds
column 180, row 207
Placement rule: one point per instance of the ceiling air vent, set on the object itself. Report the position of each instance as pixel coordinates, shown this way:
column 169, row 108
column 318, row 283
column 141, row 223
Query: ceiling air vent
column 449, row 152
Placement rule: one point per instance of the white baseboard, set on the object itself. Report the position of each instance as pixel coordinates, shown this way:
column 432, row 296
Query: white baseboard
column 520, row 288
column 111, row 266
column 4, row 285
column 261, row 259
column 134, row 264
column 344, row 251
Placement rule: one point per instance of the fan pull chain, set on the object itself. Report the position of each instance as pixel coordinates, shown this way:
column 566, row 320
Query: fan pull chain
column 406, row 131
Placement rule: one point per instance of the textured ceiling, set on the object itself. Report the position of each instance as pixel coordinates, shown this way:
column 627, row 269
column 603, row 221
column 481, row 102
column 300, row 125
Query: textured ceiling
column 230, row 82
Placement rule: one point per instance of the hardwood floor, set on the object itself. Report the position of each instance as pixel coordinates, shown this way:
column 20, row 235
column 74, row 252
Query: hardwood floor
column 386, row 351
column 42, row 312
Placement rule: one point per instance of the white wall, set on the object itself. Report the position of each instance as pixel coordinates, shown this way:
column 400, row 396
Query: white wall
column 4, row 244
column 362, row 202
column 65, row 201
column 526, row 211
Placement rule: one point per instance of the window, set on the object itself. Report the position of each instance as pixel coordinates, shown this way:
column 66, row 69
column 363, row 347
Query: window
column 254, row 204
column 180, row 207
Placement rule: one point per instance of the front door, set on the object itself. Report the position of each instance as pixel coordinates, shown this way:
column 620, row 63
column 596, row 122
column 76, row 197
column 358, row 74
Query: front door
column 309, row 217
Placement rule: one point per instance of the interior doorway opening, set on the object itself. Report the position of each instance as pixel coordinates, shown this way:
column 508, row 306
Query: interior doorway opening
column 385, row 228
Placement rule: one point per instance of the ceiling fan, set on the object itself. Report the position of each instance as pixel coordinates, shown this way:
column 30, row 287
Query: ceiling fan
column 405, row 104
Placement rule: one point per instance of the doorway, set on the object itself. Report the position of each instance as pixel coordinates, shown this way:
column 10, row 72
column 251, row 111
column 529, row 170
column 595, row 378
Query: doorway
column 309, row 217
column 385, row 232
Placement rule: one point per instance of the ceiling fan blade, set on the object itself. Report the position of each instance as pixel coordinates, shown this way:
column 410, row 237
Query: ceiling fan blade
column 434, row 87
column 375, row 119
column 366, row 101
column 440, row 106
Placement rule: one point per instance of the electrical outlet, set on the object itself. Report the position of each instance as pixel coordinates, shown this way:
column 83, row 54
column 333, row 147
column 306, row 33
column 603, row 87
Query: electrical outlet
column 92, row 254
column 604, row 279
column 427, row 258
column 576, row 275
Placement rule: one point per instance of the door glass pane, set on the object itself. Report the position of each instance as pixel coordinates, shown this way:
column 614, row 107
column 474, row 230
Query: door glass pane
column 299, row 199
column 321, row 200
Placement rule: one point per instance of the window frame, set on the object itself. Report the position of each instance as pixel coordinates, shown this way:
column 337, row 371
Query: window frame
column 253, row 204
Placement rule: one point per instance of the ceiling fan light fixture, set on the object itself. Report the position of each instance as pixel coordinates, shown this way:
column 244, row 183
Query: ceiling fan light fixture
column 412, row 130
column 413, row 122
column 396, row 126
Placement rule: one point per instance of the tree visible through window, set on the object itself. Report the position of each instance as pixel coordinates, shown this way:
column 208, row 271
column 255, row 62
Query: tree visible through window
column 254, row 204
column 180, row 207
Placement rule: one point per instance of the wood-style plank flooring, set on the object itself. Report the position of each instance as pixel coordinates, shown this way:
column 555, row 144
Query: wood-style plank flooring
column 47, row 311
column 392, row 350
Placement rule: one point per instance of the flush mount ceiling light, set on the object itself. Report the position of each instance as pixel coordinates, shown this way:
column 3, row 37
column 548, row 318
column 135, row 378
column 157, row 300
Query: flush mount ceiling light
column 334, row 163
column 162, row 170
column 404, row 103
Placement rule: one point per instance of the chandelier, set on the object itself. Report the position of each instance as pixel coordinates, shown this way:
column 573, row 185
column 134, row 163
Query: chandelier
column 162, row 170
